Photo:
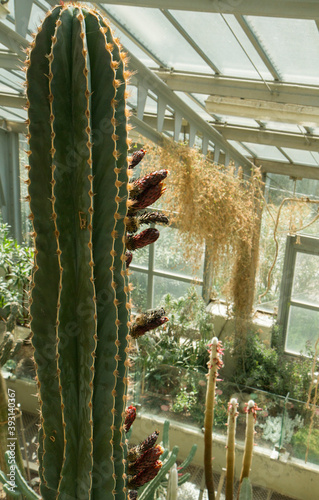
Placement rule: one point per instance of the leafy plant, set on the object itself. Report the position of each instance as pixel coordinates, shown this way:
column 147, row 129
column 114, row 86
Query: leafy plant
column 268, row 368
column 16, row 263
column 299, row 443
column 184, row 401
column 181, row 343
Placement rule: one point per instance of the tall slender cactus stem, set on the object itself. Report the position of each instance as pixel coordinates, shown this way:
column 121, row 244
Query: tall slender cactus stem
column 251, row 410
column 214, row 364
column 230, row 453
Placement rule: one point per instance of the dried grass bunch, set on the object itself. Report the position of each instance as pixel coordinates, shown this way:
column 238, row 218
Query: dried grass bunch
column 210, row 204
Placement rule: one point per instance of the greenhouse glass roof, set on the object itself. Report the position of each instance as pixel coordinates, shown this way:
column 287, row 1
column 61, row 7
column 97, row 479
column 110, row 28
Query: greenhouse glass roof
column 239, row 78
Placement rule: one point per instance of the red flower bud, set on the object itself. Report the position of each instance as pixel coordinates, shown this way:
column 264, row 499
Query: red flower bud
column 146, row 460
column 148, row 321
column 130, row 417
column 136, row 158
column 142, row 239
column 148, row 189
column 145, row 476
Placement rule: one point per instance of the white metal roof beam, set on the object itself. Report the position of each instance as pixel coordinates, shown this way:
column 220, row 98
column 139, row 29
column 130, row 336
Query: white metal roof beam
column 285, row 93
column 15, row 42
column 263, row 110
column 146, row 130
column 155, row 84
column 12, row 101
column 299, row 9
column 293, row 170
column 13, row 126
column 22, row 12
column 254, row 40
column 190, row 40
column 9, row 61
column 269, row 137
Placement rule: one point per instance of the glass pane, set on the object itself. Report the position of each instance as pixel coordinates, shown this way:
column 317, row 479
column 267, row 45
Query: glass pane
column 239, row 148
column 266, row 152
column 221, row 46
column 292, row 45
column 139, row 293
column 169, row 255
column 159, row 36
column 303, row 157
column 286, row 127
column 163, row 286
column 193, row 105
column 303, row 329
column 128, row 44
column 306, row 279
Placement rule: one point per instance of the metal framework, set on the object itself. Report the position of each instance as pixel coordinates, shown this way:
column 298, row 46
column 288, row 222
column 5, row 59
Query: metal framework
column 272, row 8
column 224, row 86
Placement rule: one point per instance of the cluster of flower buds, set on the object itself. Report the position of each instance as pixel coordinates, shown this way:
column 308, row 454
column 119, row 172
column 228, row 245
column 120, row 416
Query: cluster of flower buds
column 148, row 321
column 143, row 462
column 232, row 408
column 216, row 352
column 251, row 408
column 143, row 192
column 147, row 190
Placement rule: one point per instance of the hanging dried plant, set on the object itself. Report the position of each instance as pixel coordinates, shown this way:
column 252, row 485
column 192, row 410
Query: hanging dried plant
column 216, row 206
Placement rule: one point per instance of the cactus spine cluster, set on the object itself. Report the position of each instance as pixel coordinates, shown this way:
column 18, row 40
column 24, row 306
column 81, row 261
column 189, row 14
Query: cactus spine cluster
column 79, row 200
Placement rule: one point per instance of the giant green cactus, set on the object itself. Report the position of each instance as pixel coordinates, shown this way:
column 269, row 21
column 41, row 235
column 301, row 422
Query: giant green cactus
column 78, row 194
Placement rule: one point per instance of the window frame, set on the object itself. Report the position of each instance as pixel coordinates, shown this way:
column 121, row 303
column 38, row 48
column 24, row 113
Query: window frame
column 294, row 244
column 151, row 272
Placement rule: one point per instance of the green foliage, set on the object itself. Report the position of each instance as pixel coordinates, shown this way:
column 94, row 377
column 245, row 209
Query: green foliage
column 173, row 359
column 184, row 401
column 16, row 263
column 299, row 442
column 268, row 368
column 182, row 342
column 220, row 412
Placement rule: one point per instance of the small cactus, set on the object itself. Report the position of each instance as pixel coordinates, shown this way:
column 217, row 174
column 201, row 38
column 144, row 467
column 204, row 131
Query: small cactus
column 230, row 454
column 214, row 364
